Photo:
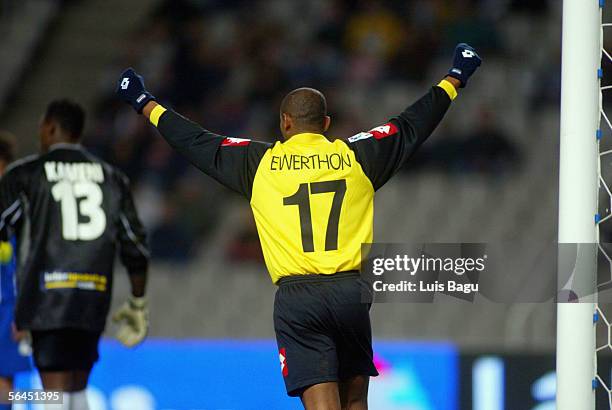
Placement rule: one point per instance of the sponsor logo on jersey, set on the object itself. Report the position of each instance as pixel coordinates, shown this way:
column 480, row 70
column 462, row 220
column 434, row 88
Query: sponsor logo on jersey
column 235, row 142
column 360, row 136
column 282, row 356
column 380, row 132
column 74, row 280
column 384, row 131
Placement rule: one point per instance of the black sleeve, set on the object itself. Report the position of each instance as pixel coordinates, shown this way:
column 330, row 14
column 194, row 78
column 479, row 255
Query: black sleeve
column 11, row 203
column 383, row 150
column 132, row 238
column 231, row 161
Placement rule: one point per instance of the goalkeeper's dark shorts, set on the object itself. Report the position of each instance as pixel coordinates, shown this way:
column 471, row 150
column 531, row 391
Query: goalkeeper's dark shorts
column 65, row 349
column 322, row 330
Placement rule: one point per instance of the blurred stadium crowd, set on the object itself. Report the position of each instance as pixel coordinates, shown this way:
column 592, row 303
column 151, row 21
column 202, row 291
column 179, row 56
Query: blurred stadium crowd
column 227, row 63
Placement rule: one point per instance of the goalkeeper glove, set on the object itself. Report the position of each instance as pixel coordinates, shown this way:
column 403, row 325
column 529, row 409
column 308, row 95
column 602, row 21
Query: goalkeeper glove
column 135, row 317
column 131, row 89
column 465, row 63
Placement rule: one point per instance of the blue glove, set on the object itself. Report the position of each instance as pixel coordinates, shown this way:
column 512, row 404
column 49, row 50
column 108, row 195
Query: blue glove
column 131, row 89
column 465, row 63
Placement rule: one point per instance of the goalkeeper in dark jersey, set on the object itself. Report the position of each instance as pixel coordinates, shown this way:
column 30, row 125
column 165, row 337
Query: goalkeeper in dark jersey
column 312, row 199
column 73, row 213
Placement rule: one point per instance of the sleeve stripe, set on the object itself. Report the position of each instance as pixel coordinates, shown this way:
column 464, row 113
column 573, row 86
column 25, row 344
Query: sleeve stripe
column 133, row 237
column 8, row 211
column 449, row 88
column 156, row 114
column 16, row 216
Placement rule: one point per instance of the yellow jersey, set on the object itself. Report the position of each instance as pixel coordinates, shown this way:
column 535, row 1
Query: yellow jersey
column 313, row 206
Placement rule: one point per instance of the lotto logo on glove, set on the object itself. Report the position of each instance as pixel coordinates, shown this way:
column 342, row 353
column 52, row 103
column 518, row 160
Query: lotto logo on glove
column 131, row 89
column 465, row 63
column 468, row 53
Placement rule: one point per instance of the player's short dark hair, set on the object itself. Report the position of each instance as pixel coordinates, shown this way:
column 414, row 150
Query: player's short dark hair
column 307, row 107
column 7, row 147
column 69, row 115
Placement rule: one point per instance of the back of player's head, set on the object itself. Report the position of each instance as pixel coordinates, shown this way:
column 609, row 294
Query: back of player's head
column 307, row 108
column 7, row 147
column 68, row 115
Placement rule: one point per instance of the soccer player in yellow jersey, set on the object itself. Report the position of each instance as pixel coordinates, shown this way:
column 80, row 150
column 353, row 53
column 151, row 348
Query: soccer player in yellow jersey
column 312, row 199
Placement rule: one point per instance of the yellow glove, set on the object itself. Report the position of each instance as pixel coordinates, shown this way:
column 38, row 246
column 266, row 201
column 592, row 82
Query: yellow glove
column 134, row 316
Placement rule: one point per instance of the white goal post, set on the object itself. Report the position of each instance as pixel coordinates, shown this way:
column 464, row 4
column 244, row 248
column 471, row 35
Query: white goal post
column 578, row 187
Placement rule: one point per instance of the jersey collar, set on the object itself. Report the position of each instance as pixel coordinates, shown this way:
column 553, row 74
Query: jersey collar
column 65, row 145
column 307, row 138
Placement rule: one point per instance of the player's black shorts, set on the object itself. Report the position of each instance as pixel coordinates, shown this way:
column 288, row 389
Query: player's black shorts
column 65, row 349
column 322, row 330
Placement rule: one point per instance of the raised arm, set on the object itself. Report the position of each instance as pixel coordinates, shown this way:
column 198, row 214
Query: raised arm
column 383, row 150
column 231, row 161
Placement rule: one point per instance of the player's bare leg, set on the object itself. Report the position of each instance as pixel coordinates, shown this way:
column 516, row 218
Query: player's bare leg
column 72, row 383
column 354, row 393
column 322, row 396
column 67, row 381
column 80, row 378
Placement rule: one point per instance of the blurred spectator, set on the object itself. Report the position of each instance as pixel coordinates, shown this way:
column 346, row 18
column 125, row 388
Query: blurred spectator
column 169, row 240
column 486, row 150
column 245, row 245
column 227, row 64
column 529, row 6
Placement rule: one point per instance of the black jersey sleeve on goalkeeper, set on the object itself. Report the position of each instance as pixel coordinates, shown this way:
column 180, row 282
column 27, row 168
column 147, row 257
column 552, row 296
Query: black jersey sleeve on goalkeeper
column 312, row 198
column 231, row 161
column 383, row 150
column 76, row 214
